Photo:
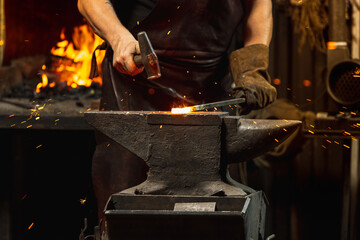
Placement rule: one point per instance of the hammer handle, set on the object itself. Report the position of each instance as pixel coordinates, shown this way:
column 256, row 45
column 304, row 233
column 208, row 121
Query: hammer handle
column 138, row 60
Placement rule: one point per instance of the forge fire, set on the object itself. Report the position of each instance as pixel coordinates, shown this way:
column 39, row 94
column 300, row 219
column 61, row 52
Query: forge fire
column 69, row 62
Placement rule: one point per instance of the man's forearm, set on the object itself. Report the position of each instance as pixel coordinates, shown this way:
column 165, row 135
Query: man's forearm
column 102, row 18
column 258, row 23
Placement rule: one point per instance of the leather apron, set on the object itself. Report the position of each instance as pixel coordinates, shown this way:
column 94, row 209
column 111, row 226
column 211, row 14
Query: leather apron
column 190, row 38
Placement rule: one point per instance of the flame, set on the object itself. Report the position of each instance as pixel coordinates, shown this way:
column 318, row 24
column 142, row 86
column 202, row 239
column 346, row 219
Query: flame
column 75, row 58
column 182, row 110
column 43, row 83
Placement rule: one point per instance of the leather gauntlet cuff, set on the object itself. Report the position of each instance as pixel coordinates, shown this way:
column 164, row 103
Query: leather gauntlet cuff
column 253, row 59
column 252, row 81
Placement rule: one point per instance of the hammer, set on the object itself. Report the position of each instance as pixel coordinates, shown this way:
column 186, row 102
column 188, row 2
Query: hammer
column 147, row 57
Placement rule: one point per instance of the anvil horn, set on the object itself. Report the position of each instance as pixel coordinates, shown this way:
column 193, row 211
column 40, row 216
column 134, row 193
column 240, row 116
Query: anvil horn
column 246, row 139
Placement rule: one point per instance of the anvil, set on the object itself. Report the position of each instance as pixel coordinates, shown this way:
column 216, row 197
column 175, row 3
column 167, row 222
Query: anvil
column 186, row 154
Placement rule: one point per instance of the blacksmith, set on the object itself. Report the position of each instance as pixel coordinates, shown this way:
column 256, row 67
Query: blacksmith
column 192, row 39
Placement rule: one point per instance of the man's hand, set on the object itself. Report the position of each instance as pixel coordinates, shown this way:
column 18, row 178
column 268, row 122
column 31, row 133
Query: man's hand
column 123, row 58
column 249, row 69
column 102, row 18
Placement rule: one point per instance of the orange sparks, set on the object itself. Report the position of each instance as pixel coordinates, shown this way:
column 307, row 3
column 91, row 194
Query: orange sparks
column 39, row 146
column 346, row 146
column 323, row 146
column 32, row 224
column 276, row 140
column 160, row 126
column 12, row 115
column 276, row 81
column 307, row 83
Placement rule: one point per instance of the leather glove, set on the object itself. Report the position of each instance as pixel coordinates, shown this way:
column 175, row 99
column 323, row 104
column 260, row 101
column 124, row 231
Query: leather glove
column 252, row 81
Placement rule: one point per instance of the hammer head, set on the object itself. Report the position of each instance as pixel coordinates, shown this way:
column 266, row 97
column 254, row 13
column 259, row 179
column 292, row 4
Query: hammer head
column 148, row 57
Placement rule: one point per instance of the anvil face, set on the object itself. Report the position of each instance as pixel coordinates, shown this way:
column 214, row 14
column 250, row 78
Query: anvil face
column 184, row 151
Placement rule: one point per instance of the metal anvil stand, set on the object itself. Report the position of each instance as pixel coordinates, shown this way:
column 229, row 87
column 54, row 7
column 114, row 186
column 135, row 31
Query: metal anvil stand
column 184, row 196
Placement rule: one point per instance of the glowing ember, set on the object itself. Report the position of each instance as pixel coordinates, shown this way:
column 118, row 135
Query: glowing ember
column 182, row 110
column 74, row 59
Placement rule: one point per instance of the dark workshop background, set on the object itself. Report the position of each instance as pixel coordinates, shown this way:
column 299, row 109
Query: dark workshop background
column 42, row 188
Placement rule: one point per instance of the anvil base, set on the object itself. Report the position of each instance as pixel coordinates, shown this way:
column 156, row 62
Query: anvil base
column 153, row 217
